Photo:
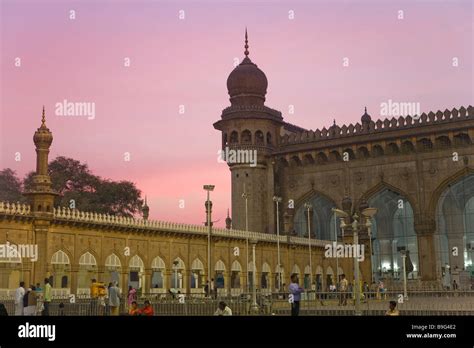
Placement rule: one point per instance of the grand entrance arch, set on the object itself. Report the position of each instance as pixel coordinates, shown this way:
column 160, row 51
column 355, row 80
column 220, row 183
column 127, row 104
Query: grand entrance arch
column 455, row 234
column 393, row 233
column 321, row 227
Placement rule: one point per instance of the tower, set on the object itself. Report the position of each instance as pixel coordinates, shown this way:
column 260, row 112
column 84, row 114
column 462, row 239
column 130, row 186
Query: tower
column 250, row 131
column 41, row 198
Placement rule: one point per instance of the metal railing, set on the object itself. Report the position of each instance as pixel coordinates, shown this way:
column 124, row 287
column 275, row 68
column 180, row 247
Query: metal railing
column 312, row 303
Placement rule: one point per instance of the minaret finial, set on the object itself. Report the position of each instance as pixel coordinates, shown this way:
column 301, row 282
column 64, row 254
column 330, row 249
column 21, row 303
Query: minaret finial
column 145, row 199
column 246, row 43
column 365, row 109
column 43, row 119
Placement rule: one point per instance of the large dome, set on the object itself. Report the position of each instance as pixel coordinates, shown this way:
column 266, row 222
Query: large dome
column 247, row 84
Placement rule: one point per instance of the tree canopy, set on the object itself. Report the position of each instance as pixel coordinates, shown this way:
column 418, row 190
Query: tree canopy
column 78, row 188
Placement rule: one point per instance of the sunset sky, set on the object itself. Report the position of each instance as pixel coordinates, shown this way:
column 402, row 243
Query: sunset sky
column 186, row 62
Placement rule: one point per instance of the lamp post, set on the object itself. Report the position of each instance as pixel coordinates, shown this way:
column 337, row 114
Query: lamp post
column 404, row 260
column 245, row 196
column 278, row 200
column 308, row 206
column 209, row 188
column 367, row 214
column 254, row 307
column 175, row 264
column 338, row 213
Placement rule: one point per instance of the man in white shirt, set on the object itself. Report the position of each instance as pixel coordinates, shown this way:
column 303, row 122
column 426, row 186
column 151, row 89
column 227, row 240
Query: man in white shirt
column 19, row 294
column 223, row 309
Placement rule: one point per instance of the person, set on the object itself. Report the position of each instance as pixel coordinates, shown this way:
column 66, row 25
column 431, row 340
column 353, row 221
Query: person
column 392, row 309
column 296, row 291
column 213, row 289
column 455, row 285
column 223, row 309
column 147, row 310
column 343, row 286
column 114, row 299
column 366, row 291
column 47, row 297
column 134, row 310
column 19, row 294
column 32, row 301
column 38, row 288
column 282, row 290
column 206, row 289
column 132, row 295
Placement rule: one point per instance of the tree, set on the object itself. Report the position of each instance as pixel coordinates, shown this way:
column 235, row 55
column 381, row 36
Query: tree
column 10, row 187
column 80, row 189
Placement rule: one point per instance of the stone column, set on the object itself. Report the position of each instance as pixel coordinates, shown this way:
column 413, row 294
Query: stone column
column 426, row 250
column 40, row 270
column 73, row 284
column 147, row 285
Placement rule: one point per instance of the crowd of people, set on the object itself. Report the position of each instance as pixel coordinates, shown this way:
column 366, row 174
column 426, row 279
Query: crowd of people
column 105, row 300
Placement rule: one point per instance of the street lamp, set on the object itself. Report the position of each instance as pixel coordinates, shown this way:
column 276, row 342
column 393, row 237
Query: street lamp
column 209, row 188
column 245, row 196
column 254, row 307
column 338, row 213
column 308, row 206
column 404, row 260
column 175, row 264
column 369, row 213
column 278, row 200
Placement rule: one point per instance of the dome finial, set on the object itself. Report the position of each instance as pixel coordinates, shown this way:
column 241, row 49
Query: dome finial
column 365, row 109
column 43, row 119
column 246, row 43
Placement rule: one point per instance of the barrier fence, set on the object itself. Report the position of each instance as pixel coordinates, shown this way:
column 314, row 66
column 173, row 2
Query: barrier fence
column 321, row 303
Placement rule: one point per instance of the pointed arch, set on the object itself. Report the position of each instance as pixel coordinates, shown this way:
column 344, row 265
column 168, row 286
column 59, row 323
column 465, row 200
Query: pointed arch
column 219, row 266
column 384, row 185
column 295, row 269
column 435, row 196
column 179, row 263
column 266, row 268
column 197, row 265
column 236, row 266
column 136, row 262
column 87, row 259
column 60, row 258
column 158, row 263
column 113, row 261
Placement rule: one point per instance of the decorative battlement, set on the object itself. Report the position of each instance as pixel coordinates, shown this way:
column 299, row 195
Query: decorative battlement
column 379, row 126
column 14, row 208
column 251, row 108
column 74, row 215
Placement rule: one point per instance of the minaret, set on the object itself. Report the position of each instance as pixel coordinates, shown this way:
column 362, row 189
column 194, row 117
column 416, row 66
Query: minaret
column 42, row 195
column 228, row 221
column 250, row 128
column 145, row 210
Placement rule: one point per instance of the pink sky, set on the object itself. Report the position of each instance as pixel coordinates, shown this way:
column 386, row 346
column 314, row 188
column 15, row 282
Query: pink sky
column 186, row 62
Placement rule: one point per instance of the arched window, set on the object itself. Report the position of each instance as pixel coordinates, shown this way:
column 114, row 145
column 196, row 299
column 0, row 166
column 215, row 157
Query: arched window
column 177, row 274
column 61, row 267
column 259, row 138
column 392, row 149
column 197, row 271
column 219, row 269
column 377, row 151
column 246, row 137
column 158, row 269
column 113, row 267
column 137, row 272
column 236, row 270
column 234, row 137
column 362, row 152
column 269, row 138
column 407, row 147
column 264, row 281
column 87, row 271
